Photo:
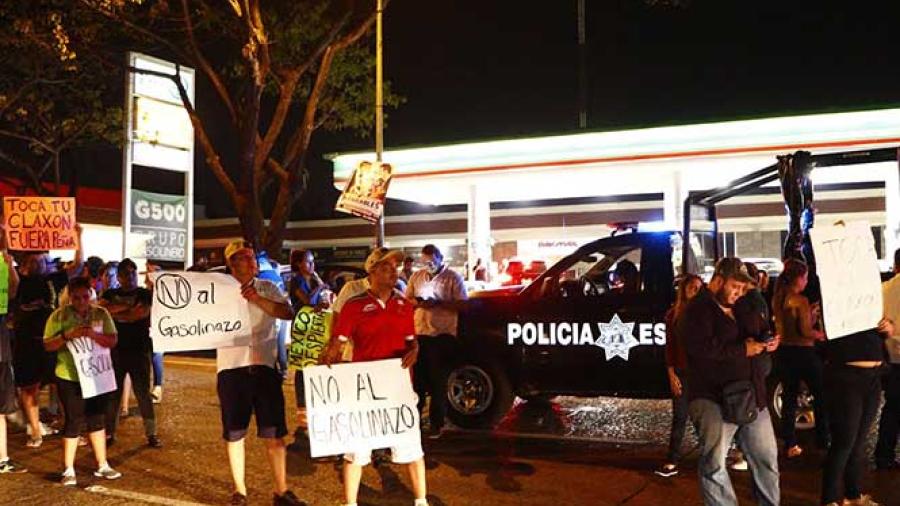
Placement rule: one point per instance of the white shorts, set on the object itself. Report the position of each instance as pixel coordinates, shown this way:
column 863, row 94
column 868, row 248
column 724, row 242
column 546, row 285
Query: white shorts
column 399, row 454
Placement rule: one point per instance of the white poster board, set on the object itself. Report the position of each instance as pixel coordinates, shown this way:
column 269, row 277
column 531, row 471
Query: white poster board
column 848, row 274
column 356, row 407
column 198, row 311
column 94, row 365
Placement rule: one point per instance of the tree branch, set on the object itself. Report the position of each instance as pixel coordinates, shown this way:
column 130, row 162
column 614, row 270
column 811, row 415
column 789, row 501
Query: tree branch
column 204, row 65
column 212, row 157
column 26, row 138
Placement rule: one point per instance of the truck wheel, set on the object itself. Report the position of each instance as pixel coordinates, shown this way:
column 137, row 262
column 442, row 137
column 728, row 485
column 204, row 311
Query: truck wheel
column 479, row 394
column 805, row 418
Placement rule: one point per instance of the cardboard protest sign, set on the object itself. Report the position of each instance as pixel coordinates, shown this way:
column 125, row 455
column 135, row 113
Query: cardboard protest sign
column 360, row 406
column 198, row 311
column 94, row 365
column 4, row 287
column 310, row 332
column 40, row 223
column 366, row 191
column 848, row 274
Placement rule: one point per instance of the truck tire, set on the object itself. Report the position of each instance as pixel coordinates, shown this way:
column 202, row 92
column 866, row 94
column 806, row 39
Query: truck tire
column 805, row 420
column 479, row 394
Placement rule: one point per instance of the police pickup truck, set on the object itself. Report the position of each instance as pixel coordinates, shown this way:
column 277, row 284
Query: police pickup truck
column 579, row 329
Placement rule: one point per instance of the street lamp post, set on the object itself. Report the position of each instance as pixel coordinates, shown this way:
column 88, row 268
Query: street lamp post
column 379, row 110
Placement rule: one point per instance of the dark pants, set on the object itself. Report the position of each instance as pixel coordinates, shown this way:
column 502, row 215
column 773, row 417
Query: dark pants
column 436, row 355
column 679, row 421
column 853, row 397
column 81, row 412
column 889, row 426
column 157, row 369
column 137, row 365
column 796, row 364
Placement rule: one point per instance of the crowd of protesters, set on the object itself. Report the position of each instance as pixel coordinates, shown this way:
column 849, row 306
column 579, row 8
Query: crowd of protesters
column 725, row 338
column 50, row 304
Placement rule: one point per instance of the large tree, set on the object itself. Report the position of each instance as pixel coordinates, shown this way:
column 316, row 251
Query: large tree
column 52, row 95
column 280, row 70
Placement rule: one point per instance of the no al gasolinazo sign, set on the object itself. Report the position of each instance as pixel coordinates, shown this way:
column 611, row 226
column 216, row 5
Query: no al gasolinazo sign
column 40, row 223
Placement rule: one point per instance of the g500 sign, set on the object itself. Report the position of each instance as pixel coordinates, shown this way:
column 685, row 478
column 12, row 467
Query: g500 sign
column 164, row 219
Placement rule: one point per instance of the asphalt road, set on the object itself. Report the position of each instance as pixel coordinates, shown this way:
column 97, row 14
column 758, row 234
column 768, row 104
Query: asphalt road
column 572, row 452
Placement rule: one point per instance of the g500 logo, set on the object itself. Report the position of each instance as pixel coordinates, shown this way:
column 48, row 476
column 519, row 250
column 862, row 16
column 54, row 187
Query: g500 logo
column 616, row 337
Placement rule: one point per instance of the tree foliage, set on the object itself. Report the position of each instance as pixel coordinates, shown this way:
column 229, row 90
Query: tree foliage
column 280, row 69
column 53, row 95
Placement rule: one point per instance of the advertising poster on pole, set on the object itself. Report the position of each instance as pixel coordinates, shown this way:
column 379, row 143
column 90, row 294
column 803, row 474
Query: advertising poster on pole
column 366, row 191
column 40, row 223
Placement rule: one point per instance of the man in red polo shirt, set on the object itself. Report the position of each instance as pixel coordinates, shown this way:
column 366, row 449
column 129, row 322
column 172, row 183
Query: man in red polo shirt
column 380, row 324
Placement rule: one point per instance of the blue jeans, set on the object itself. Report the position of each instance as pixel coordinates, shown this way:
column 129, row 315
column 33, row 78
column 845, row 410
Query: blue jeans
column 757, row 442
column 157, row 363
column 282, row 331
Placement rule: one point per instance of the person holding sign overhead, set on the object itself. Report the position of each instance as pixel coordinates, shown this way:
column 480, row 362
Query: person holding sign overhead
column 81, row 319
column 248, row 382
column 379, row 323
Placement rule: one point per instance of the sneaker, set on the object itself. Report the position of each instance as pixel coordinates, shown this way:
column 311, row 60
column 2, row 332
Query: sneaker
column 68, row 480
column 435, row 434
column 667, row 470
column 739, row 465
column 34, row 442
column 238, row 499
column 864, row 500
column 156, row 394
column 46, row 430
column 154, row 442
column 9, row 466
column 107, row 473
column 287, row 499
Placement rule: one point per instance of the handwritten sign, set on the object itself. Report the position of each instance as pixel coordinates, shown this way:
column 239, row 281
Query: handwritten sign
column 40, row 223
column 366, row 191
column 94, row 365
column 360, row 406
column 310, row 333
column 198, row 311
column 848, row 273
column 4, row 287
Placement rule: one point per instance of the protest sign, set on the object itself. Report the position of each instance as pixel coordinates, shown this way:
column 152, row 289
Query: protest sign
column 40, row 223
column 94, row 365
column 309, row 335
column 360, row 406
column 366, row 191
column 4, row 287
column 198, row 311
column 848, row 274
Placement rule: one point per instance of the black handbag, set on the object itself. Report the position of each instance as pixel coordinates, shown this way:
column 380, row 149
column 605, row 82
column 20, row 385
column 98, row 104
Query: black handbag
column 739, row 402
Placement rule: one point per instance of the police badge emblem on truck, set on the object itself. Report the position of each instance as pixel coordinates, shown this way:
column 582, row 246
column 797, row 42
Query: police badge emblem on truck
column 617, row 338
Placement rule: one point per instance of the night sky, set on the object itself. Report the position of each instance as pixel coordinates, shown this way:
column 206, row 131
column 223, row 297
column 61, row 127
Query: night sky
column 491, row 68
column 473, row 70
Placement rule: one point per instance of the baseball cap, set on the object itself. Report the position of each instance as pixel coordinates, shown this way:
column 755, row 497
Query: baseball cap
column 732, row 268
column 235, row 246
column 379, row 255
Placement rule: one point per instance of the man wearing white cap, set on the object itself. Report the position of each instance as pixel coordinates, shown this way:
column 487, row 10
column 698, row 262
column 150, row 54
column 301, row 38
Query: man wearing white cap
column 379, row 323
column 248, row 382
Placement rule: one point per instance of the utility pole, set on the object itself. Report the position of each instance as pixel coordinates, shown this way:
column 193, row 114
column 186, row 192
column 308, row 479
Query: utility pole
column 379, row 109
column 582, row 68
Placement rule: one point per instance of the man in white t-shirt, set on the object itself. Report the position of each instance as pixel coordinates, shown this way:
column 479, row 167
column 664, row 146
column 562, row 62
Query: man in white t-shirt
column 439, row 293
column 247, row 380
